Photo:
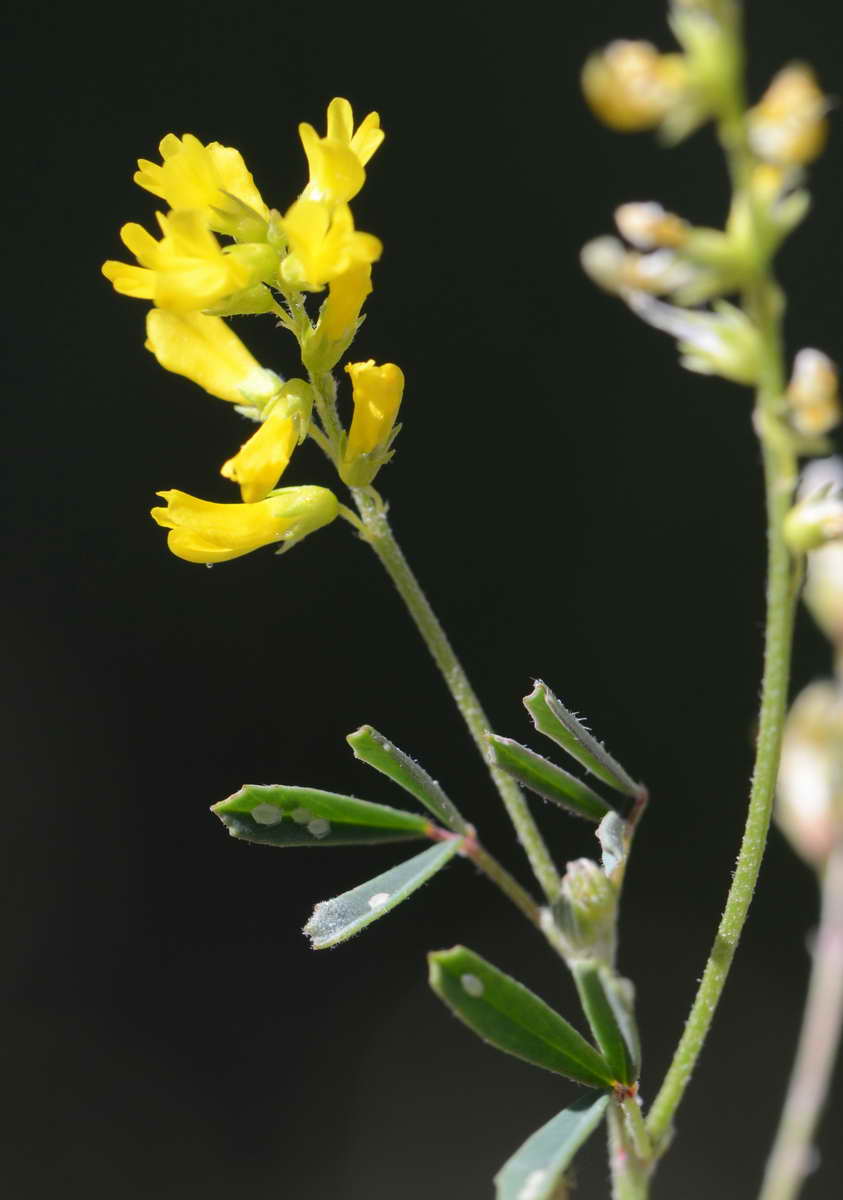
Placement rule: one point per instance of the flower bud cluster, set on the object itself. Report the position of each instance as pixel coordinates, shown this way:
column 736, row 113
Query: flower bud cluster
column 632, row 86
column 194, row 282
column 586, row 910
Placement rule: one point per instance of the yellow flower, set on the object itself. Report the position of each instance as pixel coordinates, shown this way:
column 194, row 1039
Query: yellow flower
column 812, row 393
column 323, row 346
column 204, row 532
column 195, row 176
column 337, row 160
column 630, row 86
column 185, row 271
column 206, row 351
column 788, row 125
column 324, row 244
column 346, row 295
column 377, row 395
column 261, row 461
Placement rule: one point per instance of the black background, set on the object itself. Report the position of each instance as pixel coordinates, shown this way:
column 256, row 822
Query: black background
column 579, row 508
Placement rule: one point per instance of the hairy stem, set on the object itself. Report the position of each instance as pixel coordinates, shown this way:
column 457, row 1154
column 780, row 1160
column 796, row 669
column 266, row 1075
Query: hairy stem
column 382, row 540
column 510, row 887
column 790, row 1157
column 762, row 301
column 630, row 1177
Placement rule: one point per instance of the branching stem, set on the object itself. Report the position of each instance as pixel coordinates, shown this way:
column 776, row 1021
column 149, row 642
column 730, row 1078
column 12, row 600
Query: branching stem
column 380, row 537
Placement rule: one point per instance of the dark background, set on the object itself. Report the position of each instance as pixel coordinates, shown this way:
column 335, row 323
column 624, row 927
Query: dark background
column 579, row 508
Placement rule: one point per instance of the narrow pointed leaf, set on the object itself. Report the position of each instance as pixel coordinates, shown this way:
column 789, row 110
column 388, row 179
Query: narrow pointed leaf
column 546, row 779
column 373, row 748
column 536, row 1170
column 511, row 1017
column 620, row 993
column 337, row 920
column 553, row 719
column 603, row 1020
column 297, row 816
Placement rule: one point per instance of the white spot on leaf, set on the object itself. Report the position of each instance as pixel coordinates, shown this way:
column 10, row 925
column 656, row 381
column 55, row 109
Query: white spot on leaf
column 532, row 1185
column 378, row 899
column 267, row 814
column 472, row 985
column 301, row 816
column 319, row 828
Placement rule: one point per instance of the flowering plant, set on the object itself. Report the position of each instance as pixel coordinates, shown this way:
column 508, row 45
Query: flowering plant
column 714, row 291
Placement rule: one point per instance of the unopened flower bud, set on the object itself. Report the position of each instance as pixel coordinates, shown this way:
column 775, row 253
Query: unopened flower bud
column 813, row 393
column 660, row 272
column 823, row 591
column 621, row 271
column 788, row 125
column 810, row 786
column 603, row 260
column 647, row 226
column 814, row 521
column 586, row 908
column 631, row 86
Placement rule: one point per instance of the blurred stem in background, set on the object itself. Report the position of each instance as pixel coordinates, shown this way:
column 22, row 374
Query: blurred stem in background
column 791, row 1156
column 763, row 303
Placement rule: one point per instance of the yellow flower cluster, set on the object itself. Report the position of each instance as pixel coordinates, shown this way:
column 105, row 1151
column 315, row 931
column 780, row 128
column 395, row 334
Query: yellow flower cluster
column 193, row 281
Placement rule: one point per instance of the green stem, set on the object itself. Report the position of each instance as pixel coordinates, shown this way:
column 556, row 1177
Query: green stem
column 325, row 387
column 382, row 540
column 789, row 1160
column 349, row 515
column 637, row 1129
column 630, row 1177
column 510, row 887
column 763, row 303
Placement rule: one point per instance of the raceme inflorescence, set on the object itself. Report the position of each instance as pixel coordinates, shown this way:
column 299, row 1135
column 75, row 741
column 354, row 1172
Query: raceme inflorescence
column 269, row 265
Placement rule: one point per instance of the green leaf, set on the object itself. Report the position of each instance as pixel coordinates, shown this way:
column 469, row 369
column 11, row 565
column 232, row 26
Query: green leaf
column 373, row 748
column 598, row 1007
column 553, row 719
column 297, row 816
column 535, row 1171
column 620, row 993
column 547, row 779
column 337, row 920
column 509, row 1016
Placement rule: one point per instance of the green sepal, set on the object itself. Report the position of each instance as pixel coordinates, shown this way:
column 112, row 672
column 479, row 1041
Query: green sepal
column 591, row 985
column 510, row 1017
column 298, row 816
column 250, row 301
column 553, row 719
column 536, row 1170
column 337, row 920
column 377, row 751
column 546, row 779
